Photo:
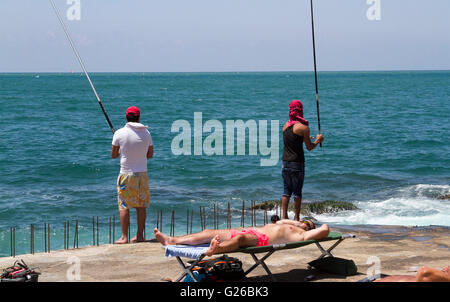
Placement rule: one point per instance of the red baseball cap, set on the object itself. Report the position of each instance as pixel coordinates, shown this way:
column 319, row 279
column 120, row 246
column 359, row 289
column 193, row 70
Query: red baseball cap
column 133, row 110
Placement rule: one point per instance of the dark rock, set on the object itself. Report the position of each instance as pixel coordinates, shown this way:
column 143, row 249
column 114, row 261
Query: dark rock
column 308, row 208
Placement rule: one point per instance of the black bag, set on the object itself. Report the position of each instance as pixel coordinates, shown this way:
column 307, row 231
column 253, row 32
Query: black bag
column 19, row 272
column 223, row 268
column 335, row 265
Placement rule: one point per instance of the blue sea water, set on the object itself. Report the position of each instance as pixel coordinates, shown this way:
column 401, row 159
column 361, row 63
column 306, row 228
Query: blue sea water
column 386, row 147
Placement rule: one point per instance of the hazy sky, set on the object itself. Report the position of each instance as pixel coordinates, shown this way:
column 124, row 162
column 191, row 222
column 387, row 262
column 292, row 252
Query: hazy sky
column 224, row 35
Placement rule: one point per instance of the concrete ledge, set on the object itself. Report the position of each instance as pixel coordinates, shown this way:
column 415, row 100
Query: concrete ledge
column 400, row 250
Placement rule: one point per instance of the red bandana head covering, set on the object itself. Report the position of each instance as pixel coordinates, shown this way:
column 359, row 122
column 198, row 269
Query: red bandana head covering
column 296, row 113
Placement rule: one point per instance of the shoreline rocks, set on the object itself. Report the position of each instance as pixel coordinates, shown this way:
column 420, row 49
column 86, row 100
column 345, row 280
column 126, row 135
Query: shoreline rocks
column 309, row 208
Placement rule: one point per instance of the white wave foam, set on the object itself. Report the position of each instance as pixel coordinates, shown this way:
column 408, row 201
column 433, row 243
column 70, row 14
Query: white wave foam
column 425, row 190
column 395, row 211
column 415, row 205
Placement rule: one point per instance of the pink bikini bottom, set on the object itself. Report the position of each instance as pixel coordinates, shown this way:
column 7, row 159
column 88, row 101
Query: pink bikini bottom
column 262, row 238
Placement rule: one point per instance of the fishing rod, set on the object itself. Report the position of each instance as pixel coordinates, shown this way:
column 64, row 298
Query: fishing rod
column 315, row 66
column 82, row 65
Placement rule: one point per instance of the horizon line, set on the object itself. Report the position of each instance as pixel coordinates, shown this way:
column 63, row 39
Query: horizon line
column 231, row 71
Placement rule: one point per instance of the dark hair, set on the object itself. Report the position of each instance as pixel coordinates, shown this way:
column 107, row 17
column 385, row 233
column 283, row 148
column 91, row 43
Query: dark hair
column 310, row 224
column 132, row 118
column 274, row 218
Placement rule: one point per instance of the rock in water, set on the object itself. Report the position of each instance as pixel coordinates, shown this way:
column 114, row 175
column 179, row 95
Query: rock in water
column 308, row 208
column 329, row 206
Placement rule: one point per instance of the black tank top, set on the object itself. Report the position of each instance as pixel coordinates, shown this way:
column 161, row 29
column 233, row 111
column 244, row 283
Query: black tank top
column 293, row 146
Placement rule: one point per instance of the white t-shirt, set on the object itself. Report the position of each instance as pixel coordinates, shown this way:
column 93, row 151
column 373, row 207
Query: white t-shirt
column 133, row 140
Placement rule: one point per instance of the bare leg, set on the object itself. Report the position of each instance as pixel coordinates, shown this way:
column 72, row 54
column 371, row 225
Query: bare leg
column 428, row 274
column 424, row 274
column 192, row 239
column 239, row 241
column 397, row 279
column 285, row 205
column 141, row 216
column 124, row 223
column 297, row 206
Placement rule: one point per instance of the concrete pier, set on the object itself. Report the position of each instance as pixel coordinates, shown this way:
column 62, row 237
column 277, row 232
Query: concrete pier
column 394, row 250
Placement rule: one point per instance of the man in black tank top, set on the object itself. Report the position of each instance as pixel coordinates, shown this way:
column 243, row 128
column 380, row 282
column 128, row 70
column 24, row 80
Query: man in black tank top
column 295, row 133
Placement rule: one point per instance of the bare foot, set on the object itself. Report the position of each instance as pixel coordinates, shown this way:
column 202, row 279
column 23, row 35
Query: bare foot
column 122, row 240
column 163, row 239
column 137, row 239
column 213, row 246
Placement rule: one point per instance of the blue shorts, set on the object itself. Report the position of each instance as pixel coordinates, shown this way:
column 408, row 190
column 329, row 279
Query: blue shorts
column 293, row 175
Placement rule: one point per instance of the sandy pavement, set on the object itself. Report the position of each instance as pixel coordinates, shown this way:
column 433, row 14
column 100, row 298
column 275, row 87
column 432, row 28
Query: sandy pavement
column 390, row 250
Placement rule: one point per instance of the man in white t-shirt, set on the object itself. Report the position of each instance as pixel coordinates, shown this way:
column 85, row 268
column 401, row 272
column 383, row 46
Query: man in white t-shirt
column 134, row 144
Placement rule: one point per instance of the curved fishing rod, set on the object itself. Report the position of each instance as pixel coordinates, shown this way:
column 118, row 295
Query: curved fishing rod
column 315, row 67
column 82, row 65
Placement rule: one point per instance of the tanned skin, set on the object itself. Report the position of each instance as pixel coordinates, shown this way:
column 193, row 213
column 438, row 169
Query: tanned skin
column 221, row 242
column 424, row 274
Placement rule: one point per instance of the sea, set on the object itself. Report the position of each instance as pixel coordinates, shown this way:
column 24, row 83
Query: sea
column 386, row 150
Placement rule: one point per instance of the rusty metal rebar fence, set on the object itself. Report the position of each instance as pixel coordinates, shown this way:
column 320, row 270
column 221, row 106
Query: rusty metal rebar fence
column 209, row 217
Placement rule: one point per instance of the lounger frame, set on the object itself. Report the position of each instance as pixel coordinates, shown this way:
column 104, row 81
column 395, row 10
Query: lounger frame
column 187, row 269
column 324, row 252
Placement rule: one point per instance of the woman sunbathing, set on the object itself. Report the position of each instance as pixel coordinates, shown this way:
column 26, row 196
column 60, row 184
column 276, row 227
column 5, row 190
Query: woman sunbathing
column 424, row 274
column 224, row 241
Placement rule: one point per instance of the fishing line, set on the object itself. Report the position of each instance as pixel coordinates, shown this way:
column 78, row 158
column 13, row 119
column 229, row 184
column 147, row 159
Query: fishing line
column 315, row 66
column 82, row 65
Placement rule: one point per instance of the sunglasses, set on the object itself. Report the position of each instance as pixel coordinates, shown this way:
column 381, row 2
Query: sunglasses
column 309, row 224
